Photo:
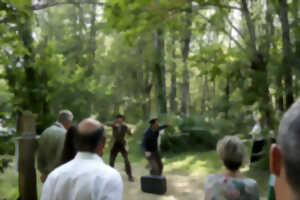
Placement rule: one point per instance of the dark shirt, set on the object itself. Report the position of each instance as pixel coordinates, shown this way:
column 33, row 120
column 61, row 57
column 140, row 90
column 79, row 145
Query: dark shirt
column 69, row 151
column 119, row 132
column 149, row 142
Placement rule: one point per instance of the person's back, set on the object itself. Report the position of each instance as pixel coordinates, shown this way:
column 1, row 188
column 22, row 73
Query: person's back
column 223, row 187
column 50, row 148
column 85, row 177
column 51, row 144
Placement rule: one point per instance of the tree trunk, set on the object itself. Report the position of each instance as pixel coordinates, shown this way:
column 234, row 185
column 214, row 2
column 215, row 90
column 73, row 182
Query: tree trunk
column 31, row 103
column 147, row 94
column 187, row 34
column 227, row 97
column 159, row 71
column 295, row 27
column 92, row 42
column 144, row 77
column 204, row 94
column 260, row 86
column 287, row 61
column 279, row 96
column 173, row 93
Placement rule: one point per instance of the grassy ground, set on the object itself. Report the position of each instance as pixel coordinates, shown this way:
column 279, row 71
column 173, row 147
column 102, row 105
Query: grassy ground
column 185, row 172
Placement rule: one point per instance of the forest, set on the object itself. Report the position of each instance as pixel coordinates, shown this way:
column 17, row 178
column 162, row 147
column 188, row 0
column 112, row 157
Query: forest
column 209, row 66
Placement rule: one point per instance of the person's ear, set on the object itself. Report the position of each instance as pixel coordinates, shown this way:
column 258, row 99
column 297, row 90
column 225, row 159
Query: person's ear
column 100, row 147
column 275, row 160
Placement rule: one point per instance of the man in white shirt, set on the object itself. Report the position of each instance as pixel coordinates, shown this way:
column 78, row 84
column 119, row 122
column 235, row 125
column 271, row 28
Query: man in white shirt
column 86, row 177
column 51, row 144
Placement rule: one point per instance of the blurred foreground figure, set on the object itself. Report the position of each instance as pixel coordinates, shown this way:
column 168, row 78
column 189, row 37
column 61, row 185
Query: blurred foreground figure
column 231, row 184
column 285, row 156
column 150, row 146
column 118, row 143
column 69, row 150
column 86, row 177
column 51, row 144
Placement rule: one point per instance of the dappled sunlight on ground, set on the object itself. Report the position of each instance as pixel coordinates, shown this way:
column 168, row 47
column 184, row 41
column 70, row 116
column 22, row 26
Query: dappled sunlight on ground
column 180, row 187
column 196, row 164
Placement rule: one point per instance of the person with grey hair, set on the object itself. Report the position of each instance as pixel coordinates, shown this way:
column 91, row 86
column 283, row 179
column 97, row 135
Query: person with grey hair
column 51, row 144
column 285, row 156
column 86, row 176
column 231, row 184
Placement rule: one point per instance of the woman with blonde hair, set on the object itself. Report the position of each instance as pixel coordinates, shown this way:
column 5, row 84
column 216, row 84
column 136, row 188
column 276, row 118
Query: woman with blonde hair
column 231, row 184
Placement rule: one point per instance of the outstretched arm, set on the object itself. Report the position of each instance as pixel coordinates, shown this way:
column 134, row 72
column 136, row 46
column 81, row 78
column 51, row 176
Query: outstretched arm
column 110, row 123
column 163, row 127
column 128, row 131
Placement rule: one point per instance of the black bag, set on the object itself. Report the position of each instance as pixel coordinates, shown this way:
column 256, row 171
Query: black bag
column 154, row 184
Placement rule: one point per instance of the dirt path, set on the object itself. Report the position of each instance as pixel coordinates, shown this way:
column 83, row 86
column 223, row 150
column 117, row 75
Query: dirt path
column 180, row 187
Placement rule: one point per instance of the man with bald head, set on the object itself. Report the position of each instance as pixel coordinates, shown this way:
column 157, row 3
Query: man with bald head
column 285, row 156
column 86, row 177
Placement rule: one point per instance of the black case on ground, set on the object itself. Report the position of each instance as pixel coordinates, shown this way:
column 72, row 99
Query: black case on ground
column 154, row 184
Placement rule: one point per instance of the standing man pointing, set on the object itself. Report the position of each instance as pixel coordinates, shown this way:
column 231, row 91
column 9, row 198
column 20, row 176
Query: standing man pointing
column 118, row 143
column 150, row 146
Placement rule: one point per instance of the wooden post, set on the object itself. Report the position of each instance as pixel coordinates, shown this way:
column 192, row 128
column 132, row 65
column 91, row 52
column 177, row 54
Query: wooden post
column 26, row 162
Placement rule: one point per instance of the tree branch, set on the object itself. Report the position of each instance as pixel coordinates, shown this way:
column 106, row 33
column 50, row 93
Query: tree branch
column 227, row 33
column 235, row 28
column 53, row 4
column 219, row 5
column 250, row 26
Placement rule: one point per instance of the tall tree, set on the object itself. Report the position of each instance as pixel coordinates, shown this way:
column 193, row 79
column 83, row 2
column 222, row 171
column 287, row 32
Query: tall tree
column 186, row 40
column 92, row 41
column 287, row 62
column 160, row 71
column 258, row 59
column 173, row 92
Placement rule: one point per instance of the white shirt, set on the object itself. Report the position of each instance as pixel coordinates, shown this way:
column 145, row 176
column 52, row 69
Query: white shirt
column 256, row 132
column 86, row 177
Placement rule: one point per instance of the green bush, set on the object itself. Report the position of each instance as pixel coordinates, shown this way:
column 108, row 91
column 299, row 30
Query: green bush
column 4, row 163
column 188, row 134
column 201, row 133
column 7, row 146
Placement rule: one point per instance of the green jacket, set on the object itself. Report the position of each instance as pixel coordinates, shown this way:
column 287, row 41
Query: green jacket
column 50, row 148
column 118, row 132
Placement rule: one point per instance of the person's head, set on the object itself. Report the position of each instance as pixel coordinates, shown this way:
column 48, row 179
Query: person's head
column 91, row 137
column 285, row 156
column 120, row 118
column 65, row 117
column 154, row 123
column 232, row 152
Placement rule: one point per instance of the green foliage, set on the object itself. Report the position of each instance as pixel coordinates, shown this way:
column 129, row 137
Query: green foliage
column 194, row 133
column 60, row 58
column 4, row 163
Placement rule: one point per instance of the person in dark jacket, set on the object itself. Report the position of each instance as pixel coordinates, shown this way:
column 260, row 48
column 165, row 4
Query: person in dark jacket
column 69, row 150
column 118, row 143
column 150, row 146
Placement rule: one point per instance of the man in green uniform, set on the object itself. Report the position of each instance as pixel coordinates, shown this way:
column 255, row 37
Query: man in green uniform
column 118, row 143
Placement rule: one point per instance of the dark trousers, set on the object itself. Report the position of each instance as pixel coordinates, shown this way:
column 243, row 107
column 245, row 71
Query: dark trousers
column 257, row 149
column 113, row 154
column 156, row 165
